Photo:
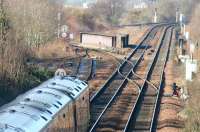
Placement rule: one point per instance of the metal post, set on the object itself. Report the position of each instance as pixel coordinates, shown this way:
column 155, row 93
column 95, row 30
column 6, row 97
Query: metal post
column 181, row 23
column 155, row 16
column 184, row 29
column 197, row 46
column 177, row 15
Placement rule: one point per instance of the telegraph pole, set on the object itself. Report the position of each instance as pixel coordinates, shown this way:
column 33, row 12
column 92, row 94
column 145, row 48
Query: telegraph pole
column 181, row 23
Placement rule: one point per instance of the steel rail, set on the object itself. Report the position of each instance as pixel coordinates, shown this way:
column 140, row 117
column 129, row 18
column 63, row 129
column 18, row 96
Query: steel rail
column 123, row 63
column 116, row 92
column 79, row 74
column 131, row 81
column 156, row 107
column 147, row 76
column 144, row 80
column 119, row 88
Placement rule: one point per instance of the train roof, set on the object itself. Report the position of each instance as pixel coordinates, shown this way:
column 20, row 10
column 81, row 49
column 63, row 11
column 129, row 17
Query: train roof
column 33, row 110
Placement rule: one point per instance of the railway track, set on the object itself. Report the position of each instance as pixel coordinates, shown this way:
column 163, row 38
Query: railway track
column 118, row 83
column 143, row 117
column 84, row 69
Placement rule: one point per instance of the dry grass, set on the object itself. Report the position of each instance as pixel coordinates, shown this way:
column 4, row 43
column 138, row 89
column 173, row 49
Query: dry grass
column 135, row 33
column 56, row 49
column 193, row 107
column 194, row 25
column 14, row 77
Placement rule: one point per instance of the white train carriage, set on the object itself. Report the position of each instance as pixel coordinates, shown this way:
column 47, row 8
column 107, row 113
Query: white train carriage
column 59, row 104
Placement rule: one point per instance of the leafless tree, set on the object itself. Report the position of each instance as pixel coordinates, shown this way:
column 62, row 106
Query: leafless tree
column 23, row 24
column 109, row 10
column 34, row 21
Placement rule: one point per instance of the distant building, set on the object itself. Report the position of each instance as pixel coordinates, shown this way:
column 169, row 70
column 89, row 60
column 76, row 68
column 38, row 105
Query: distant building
column 140, row 4
column 85, row 5
column 79, row 3
column 104, row 41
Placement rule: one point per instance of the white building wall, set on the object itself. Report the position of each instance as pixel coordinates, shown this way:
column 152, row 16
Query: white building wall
column 191, row 67
column 99, row 41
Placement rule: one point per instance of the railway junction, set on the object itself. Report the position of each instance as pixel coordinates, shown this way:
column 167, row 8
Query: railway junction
column 130, row 99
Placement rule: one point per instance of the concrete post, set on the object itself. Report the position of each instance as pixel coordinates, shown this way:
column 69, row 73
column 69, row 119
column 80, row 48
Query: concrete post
column 181, row 23
column 181, row 46
column 155, row 16
column 177, row 15
column 184, row 29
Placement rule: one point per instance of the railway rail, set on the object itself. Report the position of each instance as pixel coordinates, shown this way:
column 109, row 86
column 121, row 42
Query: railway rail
column 144, row 114
column 118, row 83
column 85, row 69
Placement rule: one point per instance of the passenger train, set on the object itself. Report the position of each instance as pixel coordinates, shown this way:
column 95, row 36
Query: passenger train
column 61, row 104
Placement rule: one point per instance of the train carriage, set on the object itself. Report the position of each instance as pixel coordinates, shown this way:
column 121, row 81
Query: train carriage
column 59, row 104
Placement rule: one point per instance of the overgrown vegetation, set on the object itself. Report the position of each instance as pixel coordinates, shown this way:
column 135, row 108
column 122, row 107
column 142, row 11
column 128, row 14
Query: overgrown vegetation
column 193, row 106
column 118, row 12
column 194, row 25
column 29, row 24
column 34, row 22
column 23, row 26
column 167, row 9
column 109, row 11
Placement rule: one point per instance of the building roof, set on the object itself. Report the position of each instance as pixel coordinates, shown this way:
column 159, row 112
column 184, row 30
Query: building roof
column 33, row 110
column 99, row 34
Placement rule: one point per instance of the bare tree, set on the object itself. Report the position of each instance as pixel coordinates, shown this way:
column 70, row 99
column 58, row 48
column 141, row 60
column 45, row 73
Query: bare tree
column 194, row 24
column 109, row 10
column 34, row 21
column 3, row 38
column 23, row 24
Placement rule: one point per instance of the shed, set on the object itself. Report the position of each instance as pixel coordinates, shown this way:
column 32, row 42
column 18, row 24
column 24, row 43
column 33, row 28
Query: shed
column 103, row 41
column 98, row 40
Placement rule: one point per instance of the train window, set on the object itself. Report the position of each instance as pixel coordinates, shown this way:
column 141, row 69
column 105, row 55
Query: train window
column 59, row 103
column 83, row 83
column 43, row 118
column 53, row 83
column 49, row 112
column 79, row 87
column 39, row 91
column 12, row 111
column 64, row 115
column 27, row 99
column 55, row 106
column 72, row 94
column 76, row 89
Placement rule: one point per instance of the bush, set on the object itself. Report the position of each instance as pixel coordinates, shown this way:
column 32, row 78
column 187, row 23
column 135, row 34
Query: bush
column 42, row 74
column 193, row 108
column 194, row 24
column 23, row 25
